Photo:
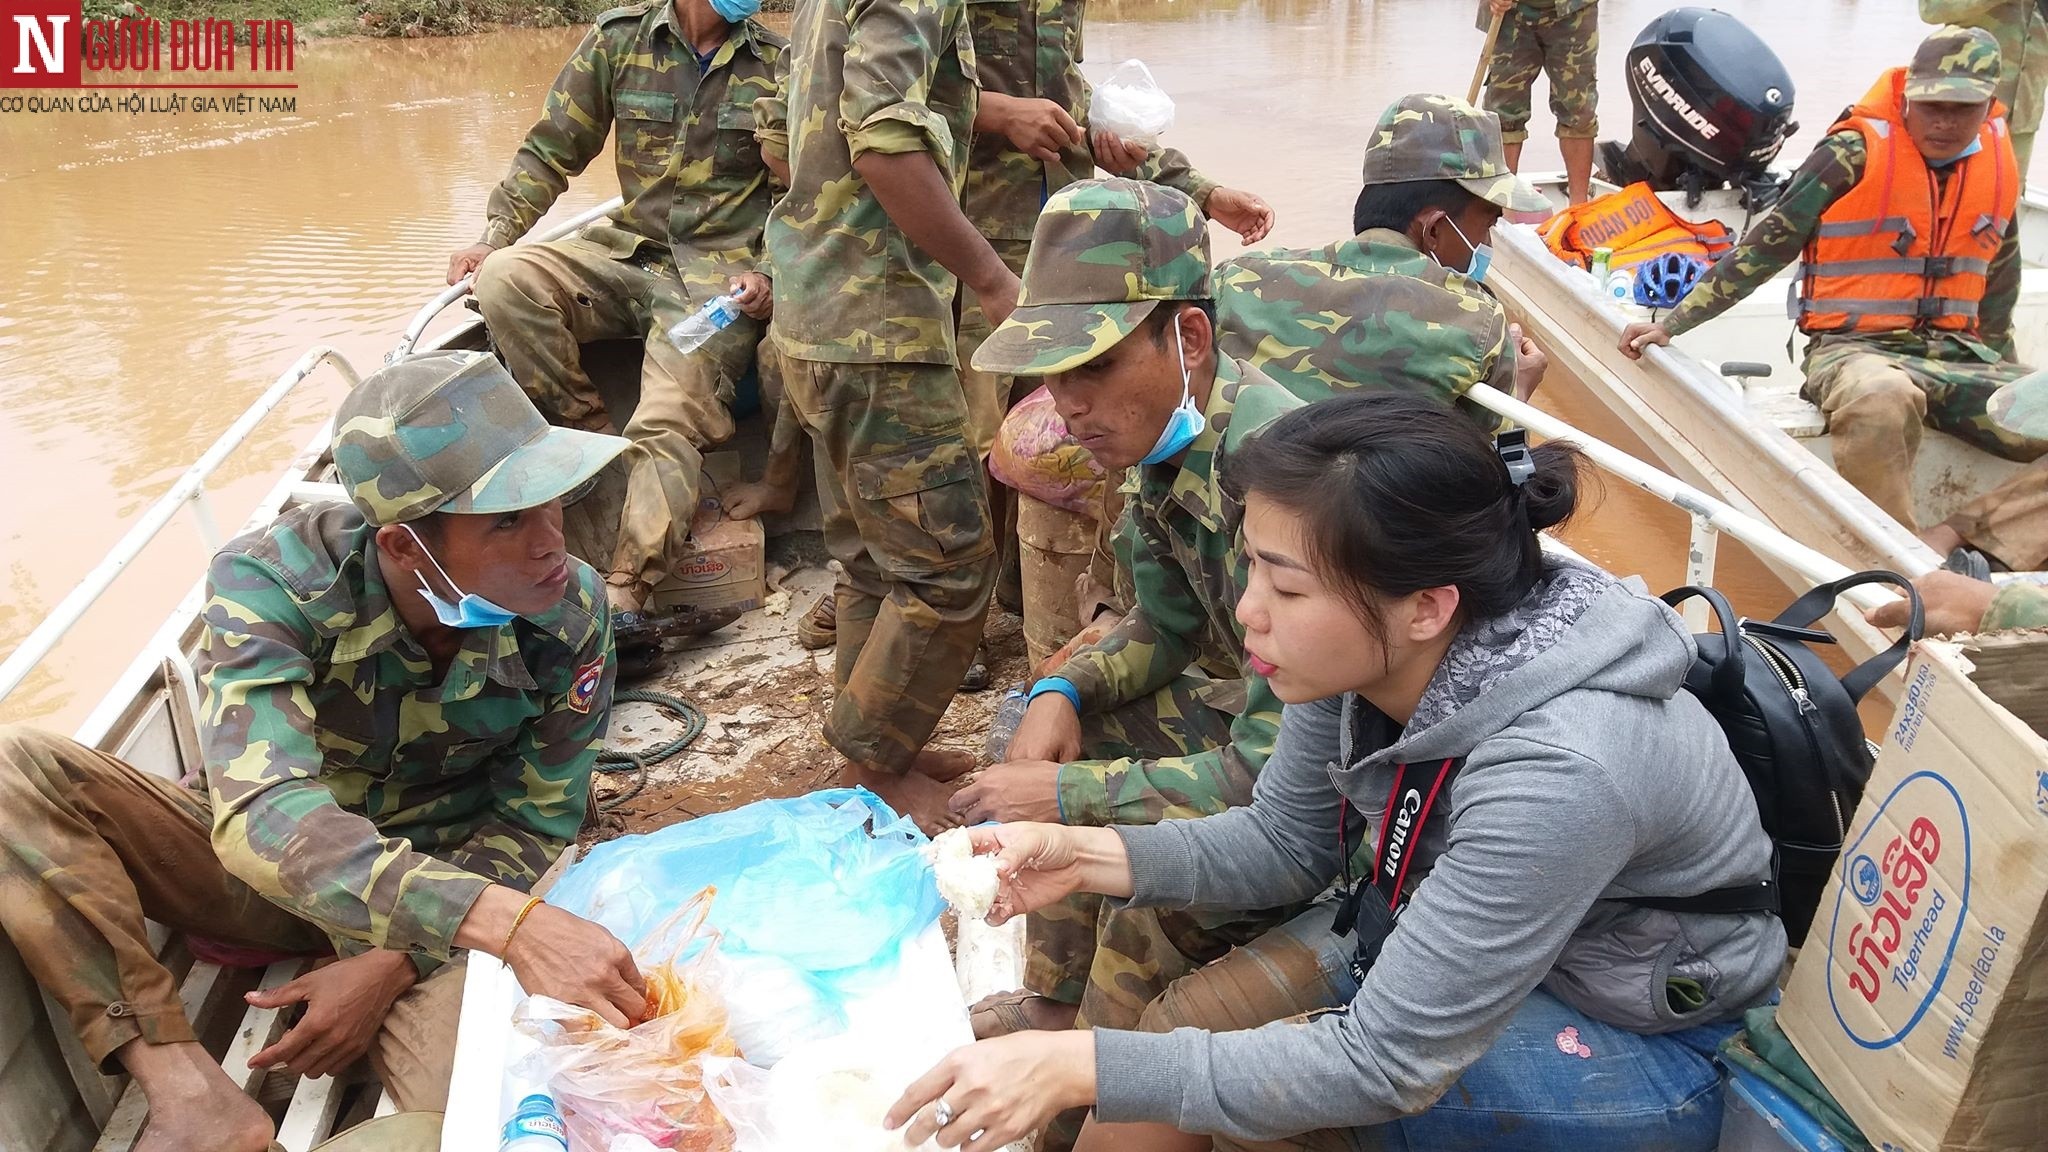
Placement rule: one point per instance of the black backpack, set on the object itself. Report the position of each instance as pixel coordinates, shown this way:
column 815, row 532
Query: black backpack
column 1793, row 727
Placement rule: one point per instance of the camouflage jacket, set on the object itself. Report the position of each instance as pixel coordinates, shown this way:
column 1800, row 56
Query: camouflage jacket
column 886, row 76
column 1781, row 234
column 690, row 170
column 1179, row 538
column 1369, row 312
column 351, row 787
column 2022, row 34
column 2017, row 605
column 1032, row 49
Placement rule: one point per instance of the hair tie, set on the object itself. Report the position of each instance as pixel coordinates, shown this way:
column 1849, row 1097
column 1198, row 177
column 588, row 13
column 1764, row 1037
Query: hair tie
column 1513, row 447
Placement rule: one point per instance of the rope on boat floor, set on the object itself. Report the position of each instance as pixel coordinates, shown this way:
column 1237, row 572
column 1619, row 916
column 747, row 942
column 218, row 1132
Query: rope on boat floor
column 613, row 761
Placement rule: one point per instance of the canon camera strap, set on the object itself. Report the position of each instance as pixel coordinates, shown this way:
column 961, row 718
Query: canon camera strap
column 1409, row 805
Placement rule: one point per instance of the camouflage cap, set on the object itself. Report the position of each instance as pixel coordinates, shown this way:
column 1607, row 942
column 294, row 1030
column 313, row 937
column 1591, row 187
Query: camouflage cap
column 1954, row 66
column 452, row 432
column 1103, row 255
column 2022, row 406
column 1425, row 137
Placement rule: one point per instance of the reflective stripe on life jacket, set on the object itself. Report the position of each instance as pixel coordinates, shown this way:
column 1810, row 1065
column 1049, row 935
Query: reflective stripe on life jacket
column 1636, row 225
column 1904, row 249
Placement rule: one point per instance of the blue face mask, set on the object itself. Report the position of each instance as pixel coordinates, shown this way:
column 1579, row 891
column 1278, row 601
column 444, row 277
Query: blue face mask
column 1975, row 146
column 1482, row 254
column 1186, row 422
column 734, row 11
column 468, row 612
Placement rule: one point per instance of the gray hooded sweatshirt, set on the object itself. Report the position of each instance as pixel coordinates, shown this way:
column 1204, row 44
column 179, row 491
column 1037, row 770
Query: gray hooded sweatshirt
column 1589, row 775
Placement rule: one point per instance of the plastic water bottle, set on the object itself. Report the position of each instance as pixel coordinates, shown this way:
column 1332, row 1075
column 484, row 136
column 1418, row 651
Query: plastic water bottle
column 689, row 334
column 1009, row 714
column 1602, row 259
column 536, row 1126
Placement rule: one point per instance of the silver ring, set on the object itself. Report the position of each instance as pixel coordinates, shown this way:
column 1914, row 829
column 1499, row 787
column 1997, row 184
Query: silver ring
column 942, row 1113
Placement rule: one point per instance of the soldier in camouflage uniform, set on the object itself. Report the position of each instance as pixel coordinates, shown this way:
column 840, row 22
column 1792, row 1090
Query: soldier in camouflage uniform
column 1958, row 603
column 1161, row 718
column 2022, row 34
column 1560, row 39
column 676, row 83
column 1393, row 307
column 1878, row 387
column 881, row 103
column 377, row 783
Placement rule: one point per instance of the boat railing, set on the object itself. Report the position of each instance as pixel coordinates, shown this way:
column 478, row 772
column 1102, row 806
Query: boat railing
column 189, row 491
column 1710, row 516
column 462, row 287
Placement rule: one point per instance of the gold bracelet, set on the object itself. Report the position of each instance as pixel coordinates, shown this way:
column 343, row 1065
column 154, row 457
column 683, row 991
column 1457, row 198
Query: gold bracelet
column 531, row 903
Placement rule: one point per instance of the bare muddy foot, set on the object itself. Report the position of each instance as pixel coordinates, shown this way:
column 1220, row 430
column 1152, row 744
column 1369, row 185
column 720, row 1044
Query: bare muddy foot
column 746, row 501
column 224, row 1121
column 914, row 794
column 944, row 766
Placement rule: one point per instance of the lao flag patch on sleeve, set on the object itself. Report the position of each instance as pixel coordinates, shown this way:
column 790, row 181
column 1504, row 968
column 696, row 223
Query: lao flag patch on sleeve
column 583, row 689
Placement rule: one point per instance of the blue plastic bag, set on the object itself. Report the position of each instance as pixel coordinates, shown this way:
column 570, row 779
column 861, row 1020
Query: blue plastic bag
column 831, row 883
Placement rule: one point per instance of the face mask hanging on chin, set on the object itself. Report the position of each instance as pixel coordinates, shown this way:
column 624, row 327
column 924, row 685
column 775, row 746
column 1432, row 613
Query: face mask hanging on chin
column 1975, row 146
column 468, row 612
column 1186, row 421
column 1482, row 254
column 734, row 11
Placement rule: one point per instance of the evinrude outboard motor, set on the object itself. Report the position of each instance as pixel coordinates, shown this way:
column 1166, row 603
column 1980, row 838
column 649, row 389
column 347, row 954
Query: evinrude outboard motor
column 1712, row 108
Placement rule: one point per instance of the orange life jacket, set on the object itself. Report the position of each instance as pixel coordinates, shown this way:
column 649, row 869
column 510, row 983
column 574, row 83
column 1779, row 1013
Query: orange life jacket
column 1636, row 225
column 1900, row 250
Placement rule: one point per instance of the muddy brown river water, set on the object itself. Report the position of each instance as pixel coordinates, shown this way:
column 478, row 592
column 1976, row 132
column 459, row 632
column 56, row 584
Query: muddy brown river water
column 157, row 270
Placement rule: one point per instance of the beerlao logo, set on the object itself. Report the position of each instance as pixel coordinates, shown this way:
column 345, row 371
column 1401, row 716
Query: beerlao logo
column 50, row 44
column 1896, row 919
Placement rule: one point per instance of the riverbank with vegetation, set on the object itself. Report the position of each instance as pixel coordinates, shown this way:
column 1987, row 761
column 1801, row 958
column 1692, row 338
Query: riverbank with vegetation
column 315, row 19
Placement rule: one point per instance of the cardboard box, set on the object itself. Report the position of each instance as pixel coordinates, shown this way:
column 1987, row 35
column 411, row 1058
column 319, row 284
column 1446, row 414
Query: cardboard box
column 726, row 565
column 1921, row 997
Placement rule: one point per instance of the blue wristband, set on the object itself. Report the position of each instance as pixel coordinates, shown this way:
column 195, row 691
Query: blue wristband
column 1061, row 685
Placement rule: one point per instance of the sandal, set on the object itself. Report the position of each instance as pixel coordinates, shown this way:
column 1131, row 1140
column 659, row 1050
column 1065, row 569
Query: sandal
column 819, row 628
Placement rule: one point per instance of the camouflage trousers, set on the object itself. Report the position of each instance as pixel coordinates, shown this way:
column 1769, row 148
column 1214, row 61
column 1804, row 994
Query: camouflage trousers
column 989, row 398
column 1565, row 48
column 94, row 846
column 541, row 302
column 906, row 515
column 1114, row 961
column 1876, row 404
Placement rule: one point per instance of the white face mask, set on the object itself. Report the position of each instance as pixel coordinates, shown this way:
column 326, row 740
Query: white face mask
column 1482, row 254
column 1186, row 421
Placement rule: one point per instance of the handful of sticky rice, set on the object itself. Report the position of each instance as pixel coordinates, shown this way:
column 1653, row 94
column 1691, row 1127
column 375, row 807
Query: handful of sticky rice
column 967, row 881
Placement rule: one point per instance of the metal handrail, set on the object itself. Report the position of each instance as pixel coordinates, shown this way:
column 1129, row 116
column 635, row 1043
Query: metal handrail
column 190, row 488
column 1714, row 513
column 461, row 288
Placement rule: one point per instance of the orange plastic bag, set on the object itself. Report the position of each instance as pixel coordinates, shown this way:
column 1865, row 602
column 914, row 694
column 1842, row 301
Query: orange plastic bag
column 646, row 1081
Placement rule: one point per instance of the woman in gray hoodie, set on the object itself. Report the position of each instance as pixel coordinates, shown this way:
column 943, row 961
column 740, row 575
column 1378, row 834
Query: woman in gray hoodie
column 1498, row 742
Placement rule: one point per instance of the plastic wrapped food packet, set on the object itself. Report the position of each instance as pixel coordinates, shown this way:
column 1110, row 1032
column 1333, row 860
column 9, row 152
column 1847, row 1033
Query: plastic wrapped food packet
column 1035, row 455
column 1131, row 104
column 619, row 1086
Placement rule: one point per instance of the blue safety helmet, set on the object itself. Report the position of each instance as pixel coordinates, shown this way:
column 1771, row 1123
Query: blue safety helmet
column 1662, row 282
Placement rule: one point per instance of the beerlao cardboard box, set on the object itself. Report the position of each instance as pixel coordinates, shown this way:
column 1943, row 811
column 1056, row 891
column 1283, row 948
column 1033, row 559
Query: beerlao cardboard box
column 726, row 565
column 1921, row 994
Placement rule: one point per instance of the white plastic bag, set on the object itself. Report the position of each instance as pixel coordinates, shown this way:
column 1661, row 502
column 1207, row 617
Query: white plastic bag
column 827, row 1094
column 1131, row 104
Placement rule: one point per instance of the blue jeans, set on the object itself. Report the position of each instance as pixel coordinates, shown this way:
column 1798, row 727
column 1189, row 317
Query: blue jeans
column 1613, row 1090
column 1554, row 1080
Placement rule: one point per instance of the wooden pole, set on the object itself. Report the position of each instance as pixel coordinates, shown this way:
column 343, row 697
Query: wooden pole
column 1485, row 58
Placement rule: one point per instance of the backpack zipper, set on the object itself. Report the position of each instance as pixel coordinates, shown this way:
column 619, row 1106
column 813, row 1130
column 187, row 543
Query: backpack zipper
column 1795, row 684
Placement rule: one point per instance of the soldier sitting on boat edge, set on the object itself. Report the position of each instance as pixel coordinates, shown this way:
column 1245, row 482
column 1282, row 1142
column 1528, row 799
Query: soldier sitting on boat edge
column 404, row 697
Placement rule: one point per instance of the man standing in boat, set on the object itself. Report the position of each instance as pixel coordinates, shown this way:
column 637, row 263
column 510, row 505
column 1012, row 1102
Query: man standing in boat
column 1561, row 39
column 1399, row 306
column 404, row 697
column 1162, row 718
column 675, row 82
column 1904, row 220
column 881, row 106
